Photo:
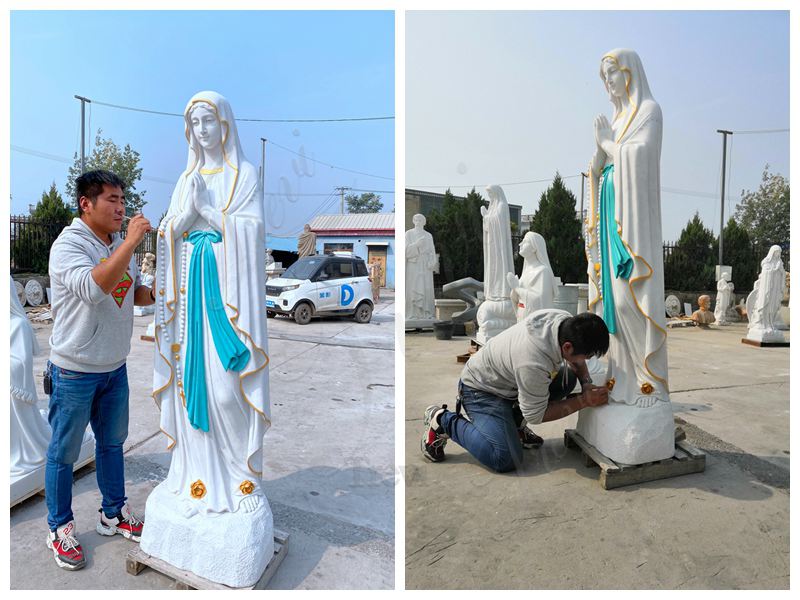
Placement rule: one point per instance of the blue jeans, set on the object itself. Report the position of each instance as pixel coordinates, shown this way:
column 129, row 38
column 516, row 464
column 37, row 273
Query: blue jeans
column 77, row 400
column 491, row 435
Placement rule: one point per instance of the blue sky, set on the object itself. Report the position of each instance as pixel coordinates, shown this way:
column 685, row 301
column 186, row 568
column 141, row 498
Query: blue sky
column 495, row 97
column 272, row 65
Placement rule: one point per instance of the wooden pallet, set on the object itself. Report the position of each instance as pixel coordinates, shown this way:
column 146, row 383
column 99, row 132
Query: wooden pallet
column 765, row 344
column 687, row 459
column 136, row 561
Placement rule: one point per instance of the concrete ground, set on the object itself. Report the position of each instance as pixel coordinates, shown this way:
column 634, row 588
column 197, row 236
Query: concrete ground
column 551, row 525
column 332, row 493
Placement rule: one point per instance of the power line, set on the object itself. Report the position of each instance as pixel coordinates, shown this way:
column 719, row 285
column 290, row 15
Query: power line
column 506, row 183
column 752, row 131
column 169, row 114
column 68, row 161
column 328, row 164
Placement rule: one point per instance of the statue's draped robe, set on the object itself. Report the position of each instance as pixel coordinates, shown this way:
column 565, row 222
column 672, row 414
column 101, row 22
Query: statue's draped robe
column 230, row 453
column 29, row 431
column 307, row 244
column 498, row 259
column 537, row 284
column 638, row 352
column 420, row 262
column 771, row 283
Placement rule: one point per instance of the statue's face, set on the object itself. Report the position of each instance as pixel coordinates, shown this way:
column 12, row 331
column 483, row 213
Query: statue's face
column 419, row 220
column 614, row 78
column 527, row 246
column 206, row 127
column 306, row 228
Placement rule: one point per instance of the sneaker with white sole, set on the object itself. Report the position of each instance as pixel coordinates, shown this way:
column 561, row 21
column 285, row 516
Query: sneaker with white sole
column 433, row 437
column 65, row 547
column 125, row 523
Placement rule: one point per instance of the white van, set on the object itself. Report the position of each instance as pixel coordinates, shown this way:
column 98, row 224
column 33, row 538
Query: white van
column 322, row 285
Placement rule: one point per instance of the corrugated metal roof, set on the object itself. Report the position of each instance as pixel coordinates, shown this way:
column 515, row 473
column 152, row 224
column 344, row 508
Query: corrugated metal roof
column 356, row 221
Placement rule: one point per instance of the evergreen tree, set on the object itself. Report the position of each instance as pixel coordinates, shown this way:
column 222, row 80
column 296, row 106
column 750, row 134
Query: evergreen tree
column 124, row 163
column 457, row 230
column 557, row 221
column 690, row 266
column 738, row 252
column 47, row 219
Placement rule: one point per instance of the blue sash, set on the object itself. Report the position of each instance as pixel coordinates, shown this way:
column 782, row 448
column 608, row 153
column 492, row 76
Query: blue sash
column 621, row 261
column 233, row 354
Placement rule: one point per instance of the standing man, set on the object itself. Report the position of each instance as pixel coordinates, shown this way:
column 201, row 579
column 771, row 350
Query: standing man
column 525, row 373
column 95, row 284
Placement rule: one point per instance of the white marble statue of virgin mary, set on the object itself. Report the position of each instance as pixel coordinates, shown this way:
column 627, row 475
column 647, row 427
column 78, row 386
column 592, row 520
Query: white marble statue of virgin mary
column 766, row 300
column 496, row 313
column 535, row 288
column 626, row 275
column 211, row 380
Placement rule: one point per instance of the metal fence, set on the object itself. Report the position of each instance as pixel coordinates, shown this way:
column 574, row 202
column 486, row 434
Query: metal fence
column 32, row 239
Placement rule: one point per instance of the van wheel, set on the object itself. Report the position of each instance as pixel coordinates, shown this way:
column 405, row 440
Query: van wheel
column 302, row 313
column 270, row 314
column 363, row 313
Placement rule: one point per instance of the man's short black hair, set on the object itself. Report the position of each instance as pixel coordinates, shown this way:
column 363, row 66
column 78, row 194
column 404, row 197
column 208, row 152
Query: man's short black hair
column 90, row 184
column 586, row 332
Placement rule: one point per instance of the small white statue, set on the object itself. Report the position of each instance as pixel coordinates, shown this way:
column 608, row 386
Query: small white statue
column 496, row 313
column 536, row 287
column 148, row 271
column 268, row 259
column 626, row 274
column 724, row 299
column 210, row 515
column 764, row 301
column 420, row 263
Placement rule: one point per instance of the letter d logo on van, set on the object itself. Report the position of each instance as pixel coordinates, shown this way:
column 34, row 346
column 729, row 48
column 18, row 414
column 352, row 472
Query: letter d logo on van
column 347, row 295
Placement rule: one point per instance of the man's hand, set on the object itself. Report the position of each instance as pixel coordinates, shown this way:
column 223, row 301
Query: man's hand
column 137, row 228
column 595, row 396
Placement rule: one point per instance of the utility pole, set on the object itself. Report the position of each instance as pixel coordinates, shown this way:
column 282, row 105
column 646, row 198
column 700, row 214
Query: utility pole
column 83, row 131
column 341, row 191
column 725, row 135
column 263, row 163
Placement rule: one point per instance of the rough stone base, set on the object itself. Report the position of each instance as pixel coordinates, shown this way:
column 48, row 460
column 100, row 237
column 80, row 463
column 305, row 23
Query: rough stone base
column 629, row 434
column 228, row 548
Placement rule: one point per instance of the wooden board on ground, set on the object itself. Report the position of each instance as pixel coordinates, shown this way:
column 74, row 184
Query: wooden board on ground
column 136, row 561
column 474, row 346
column 687, row 459
column 765, row 344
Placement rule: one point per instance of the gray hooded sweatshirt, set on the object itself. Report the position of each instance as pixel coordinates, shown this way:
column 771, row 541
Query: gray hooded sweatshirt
column 520, row 362
column 91, row 329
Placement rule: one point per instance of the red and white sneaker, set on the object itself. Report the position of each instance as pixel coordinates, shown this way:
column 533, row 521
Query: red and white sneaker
column 66, row 548
column 125, row 523
column 434, row 439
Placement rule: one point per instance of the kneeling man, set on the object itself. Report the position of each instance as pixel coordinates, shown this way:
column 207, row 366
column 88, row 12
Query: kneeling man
column 525, row 374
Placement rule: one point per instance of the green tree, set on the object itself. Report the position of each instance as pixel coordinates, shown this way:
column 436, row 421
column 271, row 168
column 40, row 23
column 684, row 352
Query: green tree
column 122, row 162
column 738, row 252
column 457, row 230
column 31, row 249
column 557, row 221
column 764, row 213
column 690, row 265
column 365, row 203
